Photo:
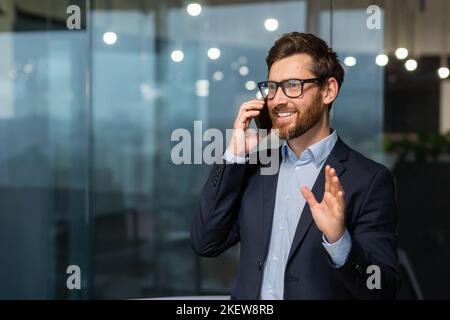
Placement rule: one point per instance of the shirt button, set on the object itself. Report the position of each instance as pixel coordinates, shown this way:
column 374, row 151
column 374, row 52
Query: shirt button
column 296, row 168
column 280, row 227
column 270, row 291
column 275, row 259
column 288, row 197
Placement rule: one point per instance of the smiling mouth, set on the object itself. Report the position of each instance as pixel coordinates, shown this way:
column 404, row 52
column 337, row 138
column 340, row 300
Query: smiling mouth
column 285, row 114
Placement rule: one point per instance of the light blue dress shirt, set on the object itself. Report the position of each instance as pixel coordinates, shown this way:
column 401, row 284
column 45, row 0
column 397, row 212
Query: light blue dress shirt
column 289, row 203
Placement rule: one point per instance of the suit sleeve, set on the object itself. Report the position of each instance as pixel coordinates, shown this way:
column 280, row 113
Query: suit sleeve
column 215, row 227
column 374, row 244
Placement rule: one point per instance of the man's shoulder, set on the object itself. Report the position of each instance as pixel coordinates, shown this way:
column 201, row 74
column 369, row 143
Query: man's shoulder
column 362, row 164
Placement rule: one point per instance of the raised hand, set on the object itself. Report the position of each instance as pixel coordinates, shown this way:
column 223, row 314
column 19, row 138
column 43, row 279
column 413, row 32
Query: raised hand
column 328, row 214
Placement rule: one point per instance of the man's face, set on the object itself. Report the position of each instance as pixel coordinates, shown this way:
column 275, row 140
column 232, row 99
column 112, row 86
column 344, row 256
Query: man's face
column 295, row 116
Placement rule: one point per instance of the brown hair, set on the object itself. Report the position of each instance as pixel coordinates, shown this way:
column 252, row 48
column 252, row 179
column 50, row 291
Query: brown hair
column 325, row 60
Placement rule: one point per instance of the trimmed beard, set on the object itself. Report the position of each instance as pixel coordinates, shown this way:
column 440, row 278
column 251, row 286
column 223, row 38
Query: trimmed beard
column 310, row 118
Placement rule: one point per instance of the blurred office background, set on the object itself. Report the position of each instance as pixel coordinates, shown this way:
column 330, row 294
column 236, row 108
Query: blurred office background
column 86, row 118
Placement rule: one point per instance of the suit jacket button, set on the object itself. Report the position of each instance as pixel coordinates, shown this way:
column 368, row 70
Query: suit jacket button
column 260, row 265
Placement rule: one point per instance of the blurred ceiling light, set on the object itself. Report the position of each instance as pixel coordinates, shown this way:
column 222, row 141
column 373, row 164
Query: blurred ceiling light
column 381, row 60
column 110, row 38
column 411, row 65
column 271, row 24
column 177, row 55
column 401, row 53
column 443, row 72
column 250, row 85
column 28, row 68
column 13, row 74
column 242, row 60
column 243, row 71
column 194, row 9
column 148, row 92
column 202, row 88
column 350, row 61
column 213, row 53
column 217, row 76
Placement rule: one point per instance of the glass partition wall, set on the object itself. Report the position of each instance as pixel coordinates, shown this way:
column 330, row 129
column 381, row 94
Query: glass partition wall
column 87, row 115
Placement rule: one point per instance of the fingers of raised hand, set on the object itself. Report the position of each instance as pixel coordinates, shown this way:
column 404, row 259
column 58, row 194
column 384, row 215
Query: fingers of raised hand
column 327, row 179
column 309, row 196
column 333, row 185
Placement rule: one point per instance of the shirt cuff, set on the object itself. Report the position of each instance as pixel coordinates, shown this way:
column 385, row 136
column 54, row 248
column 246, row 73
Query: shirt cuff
column 338, row 250
column 232, row 158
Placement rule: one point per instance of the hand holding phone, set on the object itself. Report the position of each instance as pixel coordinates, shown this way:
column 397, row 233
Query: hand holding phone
column 245, row 139
column 263, row 120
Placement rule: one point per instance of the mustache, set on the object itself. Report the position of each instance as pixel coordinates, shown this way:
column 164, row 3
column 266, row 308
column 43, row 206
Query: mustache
column 282, row 109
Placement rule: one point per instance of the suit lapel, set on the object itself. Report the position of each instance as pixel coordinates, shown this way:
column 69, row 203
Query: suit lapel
column 336, row 158
column 269, row 191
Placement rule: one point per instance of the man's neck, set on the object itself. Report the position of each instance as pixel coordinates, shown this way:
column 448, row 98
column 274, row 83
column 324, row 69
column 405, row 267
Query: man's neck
column 320, row 131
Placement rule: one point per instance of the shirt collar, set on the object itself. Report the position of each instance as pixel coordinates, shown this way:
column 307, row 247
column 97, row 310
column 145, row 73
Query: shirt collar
column 316, row 152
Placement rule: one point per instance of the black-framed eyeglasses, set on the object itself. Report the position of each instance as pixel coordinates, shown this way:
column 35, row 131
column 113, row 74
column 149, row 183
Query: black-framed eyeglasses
column 292, row 88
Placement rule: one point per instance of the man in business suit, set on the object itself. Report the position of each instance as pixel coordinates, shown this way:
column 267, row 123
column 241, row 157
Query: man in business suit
column 324, row 226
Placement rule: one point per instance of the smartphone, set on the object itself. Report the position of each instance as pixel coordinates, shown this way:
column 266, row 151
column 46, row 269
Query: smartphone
column 263, row 120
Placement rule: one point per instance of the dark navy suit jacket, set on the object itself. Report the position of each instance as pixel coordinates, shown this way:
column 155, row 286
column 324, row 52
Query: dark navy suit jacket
column 237, row 205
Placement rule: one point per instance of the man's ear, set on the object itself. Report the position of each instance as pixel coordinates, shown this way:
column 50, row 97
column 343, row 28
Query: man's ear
column 330, row 90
